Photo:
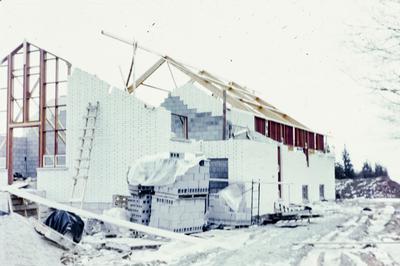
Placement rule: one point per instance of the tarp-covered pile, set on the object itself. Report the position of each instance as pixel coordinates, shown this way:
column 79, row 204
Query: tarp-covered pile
column 160, row 169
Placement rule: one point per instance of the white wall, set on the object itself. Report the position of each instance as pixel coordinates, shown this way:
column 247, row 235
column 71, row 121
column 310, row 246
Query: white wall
column 3, row 177
column 126, row 130
column 295, row 171
column 241, row 118
column 195, row 97
column 251, row 160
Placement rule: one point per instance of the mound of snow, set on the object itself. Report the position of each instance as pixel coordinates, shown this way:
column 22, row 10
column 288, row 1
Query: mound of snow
column 160, row 169
column 21, row 245
column 117, row 213
column 380, row 187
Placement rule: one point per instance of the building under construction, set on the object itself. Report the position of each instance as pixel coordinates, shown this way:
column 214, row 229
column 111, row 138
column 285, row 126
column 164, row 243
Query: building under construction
column 73, row 131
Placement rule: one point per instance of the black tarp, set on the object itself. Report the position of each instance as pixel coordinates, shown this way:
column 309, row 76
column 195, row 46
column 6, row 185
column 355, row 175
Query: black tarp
column 66, row 222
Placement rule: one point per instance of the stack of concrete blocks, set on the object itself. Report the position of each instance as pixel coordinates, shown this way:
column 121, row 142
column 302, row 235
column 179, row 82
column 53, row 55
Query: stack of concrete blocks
column 221, row 214
column 120, row 201
column 181, row 206
column 140, row 203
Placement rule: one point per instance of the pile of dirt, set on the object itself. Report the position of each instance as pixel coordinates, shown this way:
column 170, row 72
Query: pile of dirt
column 380, row 187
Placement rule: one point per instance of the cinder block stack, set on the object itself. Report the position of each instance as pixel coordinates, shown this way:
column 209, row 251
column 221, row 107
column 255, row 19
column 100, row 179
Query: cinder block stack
column 120, row 201
column 139, row 203
column 181, row 206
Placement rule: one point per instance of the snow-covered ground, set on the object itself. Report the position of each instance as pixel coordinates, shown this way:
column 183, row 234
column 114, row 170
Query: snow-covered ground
column 21, row 245
column 345, row 235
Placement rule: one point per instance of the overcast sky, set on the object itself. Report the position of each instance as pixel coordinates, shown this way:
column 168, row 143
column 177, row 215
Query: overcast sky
column 298, row 54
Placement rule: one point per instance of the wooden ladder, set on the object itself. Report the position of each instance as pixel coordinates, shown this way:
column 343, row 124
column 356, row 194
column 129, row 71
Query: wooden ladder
column 85, row 149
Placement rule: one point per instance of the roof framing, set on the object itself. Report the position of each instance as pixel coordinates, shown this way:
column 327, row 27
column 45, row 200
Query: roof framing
column 237, row 96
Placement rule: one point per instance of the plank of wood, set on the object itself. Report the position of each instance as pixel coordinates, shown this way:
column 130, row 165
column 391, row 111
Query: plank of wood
column 53, row 235
column 134, row 226
column 147, row 74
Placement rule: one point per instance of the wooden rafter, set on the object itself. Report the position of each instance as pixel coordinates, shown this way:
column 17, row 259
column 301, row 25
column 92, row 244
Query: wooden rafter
column 208, row 85
column 147, row 74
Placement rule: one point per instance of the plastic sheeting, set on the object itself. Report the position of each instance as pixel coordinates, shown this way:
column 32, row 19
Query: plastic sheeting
column 160, row 169
column 233, row 195
column 66, row 222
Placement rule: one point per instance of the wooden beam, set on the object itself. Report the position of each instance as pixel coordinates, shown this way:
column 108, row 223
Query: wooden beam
column 208, row 85
column 251, row 95
column 108, row 219
column 147, row 74
column 256, row 102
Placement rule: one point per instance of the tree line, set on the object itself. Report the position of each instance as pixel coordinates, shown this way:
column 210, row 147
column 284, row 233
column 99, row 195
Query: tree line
column 345, row 169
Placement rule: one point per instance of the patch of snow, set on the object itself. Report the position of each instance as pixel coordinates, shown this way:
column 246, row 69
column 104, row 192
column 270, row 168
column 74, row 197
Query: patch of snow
column 21, row 245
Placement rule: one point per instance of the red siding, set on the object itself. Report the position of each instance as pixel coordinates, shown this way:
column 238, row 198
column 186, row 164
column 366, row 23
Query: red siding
column 259, row 125
column 275, row 131
column 320, row 142
column 311, row 140
column 288, row 135
column 300, row 137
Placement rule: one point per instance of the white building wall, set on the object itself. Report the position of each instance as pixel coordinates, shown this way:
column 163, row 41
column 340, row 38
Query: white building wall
column 125, row 130
column 3, row 177
column 241, row 118
column 195, row 97
column 249, row 161
column 296, row 172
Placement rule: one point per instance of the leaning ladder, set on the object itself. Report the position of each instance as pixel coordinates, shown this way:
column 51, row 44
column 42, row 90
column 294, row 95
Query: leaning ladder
column 85, row 150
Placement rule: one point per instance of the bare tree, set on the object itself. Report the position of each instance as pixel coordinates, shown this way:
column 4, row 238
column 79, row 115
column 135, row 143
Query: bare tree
column 380, row 42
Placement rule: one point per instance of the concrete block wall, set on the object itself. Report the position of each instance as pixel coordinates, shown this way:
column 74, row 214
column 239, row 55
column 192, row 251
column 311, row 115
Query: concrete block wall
column 19, row 154
column 202, row 100
column 198, row 99
column 319, row 172
column 250, row 160
column 201, row 125
column 32, row 148
column 259, row 159
column 126, row 129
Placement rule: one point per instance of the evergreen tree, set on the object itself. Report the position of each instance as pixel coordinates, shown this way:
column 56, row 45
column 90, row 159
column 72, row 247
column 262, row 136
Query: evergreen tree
column 339, row 171
column 366, row 171
column 347, row 165
column 380, row 170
